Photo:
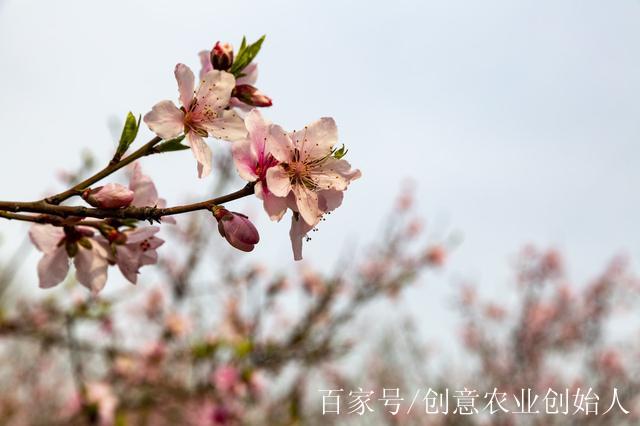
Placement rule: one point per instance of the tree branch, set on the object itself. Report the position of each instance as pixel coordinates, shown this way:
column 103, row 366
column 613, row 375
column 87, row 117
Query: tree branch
column 146, row 149
column 9, row 208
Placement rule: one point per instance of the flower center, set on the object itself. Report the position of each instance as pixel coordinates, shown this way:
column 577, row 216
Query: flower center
column 300, row 174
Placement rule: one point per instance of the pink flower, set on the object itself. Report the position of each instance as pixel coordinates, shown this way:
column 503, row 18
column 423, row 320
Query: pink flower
column 109, row 196
column 58, row 245
column 204, row 113
column 307, row 167
column 308, row 174
column 253, row 160
column 237, row 229
column 145, row 193
column 138, row 250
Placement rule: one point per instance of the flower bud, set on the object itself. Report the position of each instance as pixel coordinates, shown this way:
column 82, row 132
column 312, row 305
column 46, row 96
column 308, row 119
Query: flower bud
column 112, row 234
column 222, row 56
column 110, row 196
column 236, row 228
column 435, row 255
column 251, row 96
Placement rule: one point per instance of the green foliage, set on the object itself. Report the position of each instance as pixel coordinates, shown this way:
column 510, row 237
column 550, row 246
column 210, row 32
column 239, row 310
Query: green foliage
column 172, row 145
column 129, row 133
column 245, row 55
column 340, row 153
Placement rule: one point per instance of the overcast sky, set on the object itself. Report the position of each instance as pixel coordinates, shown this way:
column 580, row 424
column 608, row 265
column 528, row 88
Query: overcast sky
column 517, row 120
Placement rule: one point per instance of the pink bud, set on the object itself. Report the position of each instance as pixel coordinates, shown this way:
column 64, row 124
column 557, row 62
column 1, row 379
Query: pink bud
column 251, row 96
column 110, row 196
column 222, row 56
column 237, row 229
column 436, row 255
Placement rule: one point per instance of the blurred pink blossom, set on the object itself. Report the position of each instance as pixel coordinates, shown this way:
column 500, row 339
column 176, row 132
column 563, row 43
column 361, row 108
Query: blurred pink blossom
column 57, row 245
column 138, row 250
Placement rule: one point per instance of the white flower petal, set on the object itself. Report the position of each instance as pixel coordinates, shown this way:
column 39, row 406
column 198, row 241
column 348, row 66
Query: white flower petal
column 201, row 152
column 53, row 268
column 165, row 120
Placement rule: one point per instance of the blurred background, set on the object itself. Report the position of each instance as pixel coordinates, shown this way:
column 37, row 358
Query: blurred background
column 513, row 122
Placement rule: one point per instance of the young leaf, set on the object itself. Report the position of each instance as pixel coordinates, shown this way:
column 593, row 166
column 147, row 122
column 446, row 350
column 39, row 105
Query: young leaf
column 129, row 133
column 171, row 145
column 245, row 55
column 340, row 153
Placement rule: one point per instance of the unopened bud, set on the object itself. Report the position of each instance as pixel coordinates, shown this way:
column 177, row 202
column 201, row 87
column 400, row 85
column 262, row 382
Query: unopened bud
column 113, row 235
column 251, row 96
column 110, row 196
column 236, row 228
column 435, row 255
column 222, row 56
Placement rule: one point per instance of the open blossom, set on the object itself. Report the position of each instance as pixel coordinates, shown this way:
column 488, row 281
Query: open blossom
column 139, row 249
column 58, row 245
column 252, row 160
column 109, row 196
column 237, row 229
column 307, row 166
column 204, row 113
column 308, row 175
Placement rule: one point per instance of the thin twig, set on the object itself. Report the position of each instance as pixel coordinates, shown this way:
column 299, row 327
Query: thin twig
column 139, row 213
column 146, row 149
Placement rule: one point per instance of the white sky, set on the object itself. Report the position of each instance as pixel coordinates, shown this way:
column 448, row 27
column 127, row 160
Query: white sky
column 518, row 120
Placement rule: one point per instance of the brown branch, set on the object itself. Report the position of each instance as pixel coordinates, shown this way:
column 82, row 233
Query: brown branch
column 49, row 219
column 139, row 213
column 146, row 149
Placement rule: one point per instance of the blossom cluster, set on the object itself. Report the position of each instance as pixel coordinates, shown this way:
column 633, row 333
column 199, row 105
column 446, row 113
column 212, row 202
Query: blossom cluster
column 93, row 250
column 302, row 171
column 195, row 349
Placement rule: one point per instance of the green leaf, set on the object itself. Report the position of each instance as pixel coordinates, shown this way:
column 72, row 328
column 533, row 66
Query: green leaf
column 245, row 55
column 243, row 348
column 129, row 133
column 203, row 350
column 172, row 145
column 339, row 153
